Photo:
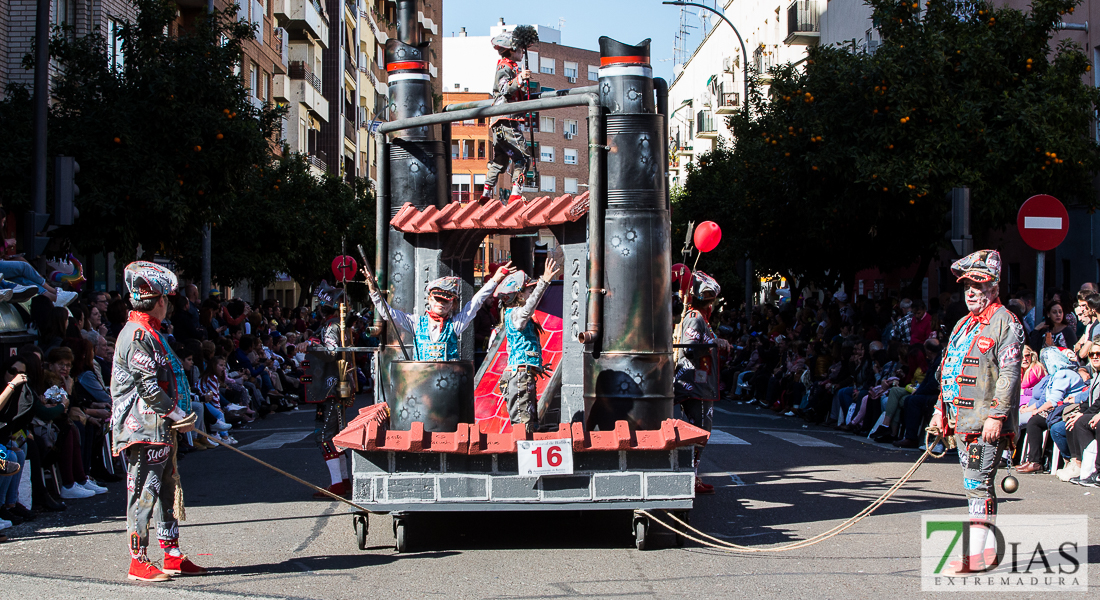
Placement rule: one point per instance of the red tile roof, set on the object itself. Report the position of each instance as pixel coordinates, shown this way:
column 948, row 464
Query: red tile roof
column 365, row 433
column 539, row 212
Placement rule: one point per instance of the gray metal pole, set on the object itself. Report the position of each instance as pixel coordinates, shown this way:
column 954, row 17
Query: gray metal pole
column 41, row 104
column 206, row 280
column 744, row 54
column 489, row 111
column 1040, row 276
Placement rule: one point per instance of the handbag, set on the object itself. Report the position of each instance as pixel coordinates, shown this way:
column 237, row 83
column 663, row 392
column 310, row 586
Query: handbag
column 46, row 432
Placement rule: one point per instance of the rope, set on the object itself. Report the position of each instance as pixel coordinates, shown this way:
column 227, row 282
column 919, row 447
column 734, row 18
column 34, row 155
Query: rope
column 725, row 546
column 282, row 472
column 177, row 497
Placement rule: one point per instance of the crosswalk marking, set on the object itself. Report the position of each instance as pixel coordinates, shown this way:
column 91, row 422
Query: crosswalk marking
column 277, row 440
column 717, row 436
column 799, row 439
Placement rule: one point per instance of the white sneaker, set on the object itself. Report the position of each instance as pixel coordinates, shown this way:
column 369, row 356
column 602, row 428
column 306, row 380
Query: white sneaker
column 93, row 487
column 234, row 407
column 221, row 426
column 75, row 491
column 211, row 441
column 231, row 441
column 1069, row 471
column 4, row 524
column 64, row 298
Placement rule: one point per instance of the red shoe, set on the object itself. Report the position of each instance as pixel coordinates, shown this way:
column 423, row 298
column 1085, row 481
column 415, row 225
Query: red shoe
column 181, row 565
column 515, row 198
column 485, row 200
column 342, row 488
column 141, row 570
column 1029, row 468
column 703, row 488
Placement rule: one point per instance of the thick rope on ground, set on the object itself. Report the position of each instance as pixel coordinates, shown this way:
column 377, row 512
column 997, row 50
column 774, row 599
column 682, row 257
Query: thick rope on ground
column 282, row 472
column 725, row 546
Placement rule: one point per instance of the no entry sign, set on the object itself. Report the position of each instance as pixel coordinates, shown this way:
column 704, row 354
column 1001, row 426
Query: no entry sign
column 1043, row 222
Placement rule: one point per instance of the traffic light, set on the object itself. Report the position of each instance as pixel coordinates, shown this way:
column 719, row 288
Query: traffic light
column 65, row 190
column 33, row 241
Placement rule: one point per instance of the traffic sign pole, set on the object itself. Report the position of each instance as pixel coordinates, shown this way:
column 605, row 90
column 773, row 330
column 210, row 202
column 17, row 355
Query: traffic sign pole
column 1043, row 223
column 1040, row 276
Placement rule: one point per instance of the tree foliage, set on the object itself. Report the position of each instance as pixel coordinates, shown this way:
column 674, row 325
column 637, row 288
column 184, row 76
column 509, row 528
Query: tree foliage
column 170, row 141
column 846, row 163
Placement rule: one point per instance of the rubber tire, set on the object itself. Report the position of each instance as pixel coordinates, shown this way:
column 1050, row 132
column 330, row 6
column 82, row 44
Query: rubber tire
column 641, row 528
column 401, row 534
column 361, row 527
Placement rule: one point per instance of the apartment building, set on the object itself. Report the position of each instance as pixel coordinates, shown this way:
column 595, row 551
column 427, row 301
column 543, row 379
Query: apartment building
column 709, row 85
column 560, row 136
column 17, row 21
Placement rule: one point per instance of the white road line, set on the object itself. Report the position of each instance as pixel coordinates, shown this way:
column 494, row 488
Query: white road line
column 717, row 436
column 799, row 439
column 276, row 440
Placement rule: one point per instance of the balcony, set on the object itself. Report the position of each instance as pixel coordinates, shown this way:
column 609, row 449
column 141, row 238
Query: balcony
column 704, row 125
column 303, row 15
column 316, row 161
column 349, row 66
column 349, row 130
column 728, row 103
column 803, row 23
column 299, row 70
column 352, row 6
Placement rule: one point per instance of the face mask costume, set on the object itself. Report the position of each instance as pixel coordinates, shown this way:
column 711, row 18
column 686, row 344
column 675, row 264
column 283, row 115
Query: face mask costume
column 524, row 347
column 696, row 376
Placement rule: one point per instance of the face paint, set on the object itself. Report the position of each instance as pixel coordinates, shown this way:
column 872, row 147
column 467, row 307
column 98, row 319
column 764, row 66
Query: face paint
column 978, row 296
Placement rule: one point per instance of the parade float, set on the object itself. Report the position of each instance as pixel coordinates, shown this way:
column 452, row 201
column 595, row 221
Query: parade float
column 447, row 444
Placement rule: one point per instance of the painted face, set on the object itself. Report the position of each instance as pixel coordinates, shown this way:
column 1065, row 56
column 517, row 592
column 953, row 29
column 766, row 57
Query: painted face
column 978, row 296
column 440, row 306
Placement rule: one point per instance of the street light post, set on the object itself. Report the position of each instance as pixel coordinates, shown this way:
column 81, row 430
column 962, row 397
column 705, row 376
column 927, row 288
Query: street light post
column 745, row 107
column 744, row 54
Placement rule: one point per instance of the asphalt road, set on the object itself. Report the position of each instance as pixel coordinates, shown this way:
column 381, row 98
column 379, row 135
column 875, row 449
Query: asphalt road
column 777, row 481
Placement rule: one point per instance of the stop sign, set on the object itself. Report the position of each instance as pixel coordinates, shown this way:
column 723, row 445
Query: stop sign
column 1043, row 222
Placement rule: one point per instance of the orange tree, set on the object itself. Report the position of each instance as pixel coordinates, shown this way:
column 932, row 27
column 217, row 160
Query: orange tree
column 846, row 163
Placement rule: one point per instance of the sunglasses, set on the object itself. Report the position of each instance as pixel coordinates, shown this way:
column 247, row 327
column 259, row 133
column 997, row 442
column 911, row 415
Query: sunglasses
column 14, row 371
column 1094, row 354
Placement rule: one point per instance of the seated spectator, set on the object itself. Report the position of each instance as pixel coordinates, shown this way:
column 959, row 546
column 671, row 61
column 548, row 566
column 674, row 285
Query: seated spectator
column 1055, row 331
column 1082, row 429
column 1065, row 383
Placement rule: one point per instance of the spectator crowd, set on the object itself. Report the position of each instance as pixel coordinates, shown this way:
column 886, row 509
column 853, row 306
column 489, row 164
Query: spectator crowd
column 868, row 367
column 55, row 410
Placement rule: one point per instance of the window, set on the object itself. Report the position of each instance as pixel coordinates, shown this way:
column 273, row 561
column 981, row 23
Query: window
column 254, row 80
column 570, row 156
column 570, row 127
column 571, row 69
column 569, row 185
column 302, row 135
column 64, row 15
column 593, row 73
column 548, row 183
column 454, row 150
column 546, row 154
column 481, row 149
column 114, row 43
column 546, row 65
column 546, row 124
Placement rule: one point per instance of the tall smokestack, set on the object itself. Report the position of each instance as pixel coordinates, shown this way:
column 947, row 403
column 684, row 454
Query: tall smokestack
column 629, row 375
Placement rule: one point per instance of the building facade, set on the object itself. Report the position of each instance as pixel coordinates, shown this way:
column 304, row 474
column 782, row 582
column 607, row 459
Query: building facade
column 709, row 86
column 17, row 22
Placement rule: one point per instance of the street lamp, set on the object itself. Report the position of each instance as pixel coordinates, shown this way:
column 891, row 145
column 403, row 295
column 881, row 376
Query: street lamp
column 744, row 55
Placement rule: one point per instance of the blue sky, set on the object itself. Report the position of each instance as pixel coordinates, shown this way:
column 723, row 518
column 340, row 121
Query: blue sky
column 629, row 21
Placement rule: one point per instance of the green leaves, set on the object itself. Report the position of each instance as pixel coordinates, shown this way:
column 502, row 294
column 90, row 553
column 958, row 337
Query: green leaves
column 846, row 163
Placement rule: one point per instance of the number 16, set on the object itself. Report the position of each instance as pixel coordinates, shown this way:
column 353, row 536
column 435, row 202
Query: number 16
column 553, row 456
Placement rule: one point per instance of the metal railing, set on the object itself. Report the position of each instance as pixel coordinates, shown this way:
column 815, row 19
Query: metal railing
column 349, row 64
column 461, row 196
column 349, row 129
column 731, row 99
column 803, row 16
column 316, row 161
column 299, row 70
column 704, row 122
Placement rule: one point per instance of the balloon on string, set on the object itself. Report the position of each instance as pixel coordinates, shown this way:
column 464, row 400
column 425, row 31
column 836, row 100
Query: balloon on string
column 707, row 236
column 681, row 276
column 344, row 268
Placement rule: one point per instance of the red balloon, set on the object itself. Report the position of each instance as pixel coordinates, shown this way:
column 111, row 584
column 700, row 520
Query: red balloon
column 707, row 236
column 681, row 275
column 344, row 268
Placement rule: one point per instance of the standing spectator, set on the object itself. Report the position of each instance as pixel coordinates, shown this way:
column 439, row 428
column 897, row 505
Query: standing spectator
column 902, row 331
